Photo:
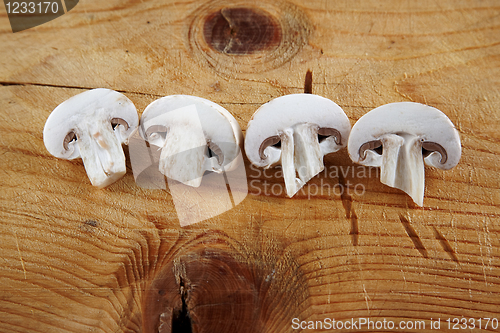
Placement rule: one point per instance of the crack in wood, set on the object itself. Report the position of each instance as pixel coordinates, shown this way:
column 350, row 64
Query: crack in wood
column 181, row 319
column 445, row 244
column 6, row 84
column 354, row 228
column 350, row 213
column 413, row 236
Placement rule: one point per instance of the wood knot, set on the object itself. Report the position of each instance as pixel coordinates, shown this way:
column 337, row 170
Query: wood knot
column 214, row 285
column 241, row 30
column 197, row 291
column 235, row 38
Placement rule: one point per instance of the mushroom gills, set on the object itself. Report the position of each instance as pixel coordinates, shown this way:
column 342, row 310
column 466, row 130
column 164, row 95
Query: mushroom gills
column 115, row 122
column 430, row 148
column 215, row 155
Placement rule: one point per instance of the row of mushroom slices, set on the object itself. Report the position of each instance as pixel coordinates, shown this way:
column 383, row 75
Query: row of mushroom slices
column 195, row 135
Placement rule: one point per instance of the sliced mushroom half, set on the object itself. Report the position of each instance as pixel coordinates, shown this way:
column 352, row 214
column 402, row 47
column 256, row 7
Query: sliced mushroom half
column 296, row 131
column 93, row 125
column 194, row 135
column 399, row 138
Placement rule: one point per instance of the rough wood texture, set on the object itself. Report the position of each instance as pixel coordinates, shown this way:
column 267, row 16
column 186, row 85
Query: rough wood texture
column 78, row 259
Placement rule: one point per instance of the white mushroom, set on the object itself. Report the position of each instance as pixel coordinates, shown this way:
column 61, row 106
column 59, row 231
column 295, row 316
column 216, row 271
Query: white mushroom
column 297, row 131
column 398, row 138
column 93, row 125
column 194, row 134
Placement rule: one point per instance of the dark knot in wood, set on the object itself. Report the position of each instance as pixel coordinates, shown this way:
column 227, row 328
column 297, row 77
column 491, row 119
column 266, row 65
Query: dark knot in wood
column 242, row 30
column 236, row 38
column 214, row 285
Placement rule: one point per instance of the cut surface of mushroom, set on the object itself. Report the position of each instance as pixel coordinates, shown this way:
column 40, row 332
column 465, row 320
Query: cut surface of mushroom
column 296, row 131
column 399, row 138
column 194, row 135
column 93, row 125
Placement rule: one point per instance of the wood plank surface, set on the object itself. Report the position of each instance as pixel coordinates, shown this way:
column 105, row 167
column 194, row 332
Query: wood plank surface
column 79, row 259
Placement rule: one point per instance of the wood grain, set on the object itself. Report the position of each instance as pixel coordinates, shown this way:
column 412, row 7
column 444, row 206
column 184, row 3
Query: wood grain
column 78, row 259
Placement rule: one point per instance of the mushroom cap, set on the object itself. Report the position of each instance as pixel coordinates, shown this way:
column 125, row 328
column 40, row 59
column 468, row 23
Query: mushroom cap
column 423, row 121
column 218, row 124
column 286, row 111
column 102, row 105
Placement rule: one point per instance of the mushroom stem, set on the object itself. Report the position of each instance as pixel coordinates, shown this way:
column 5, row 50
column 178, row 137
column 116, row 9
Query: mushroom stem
column 308, row 155
column 300, row 155
column 391, row 145
column 292, row 183
column 403, row 165
column 102, row 154
column 183, row 156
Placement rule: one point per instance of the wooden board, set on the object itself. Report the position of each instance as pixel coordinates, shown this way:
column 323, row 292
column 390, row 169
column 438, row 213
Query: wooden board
column 78, row 259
